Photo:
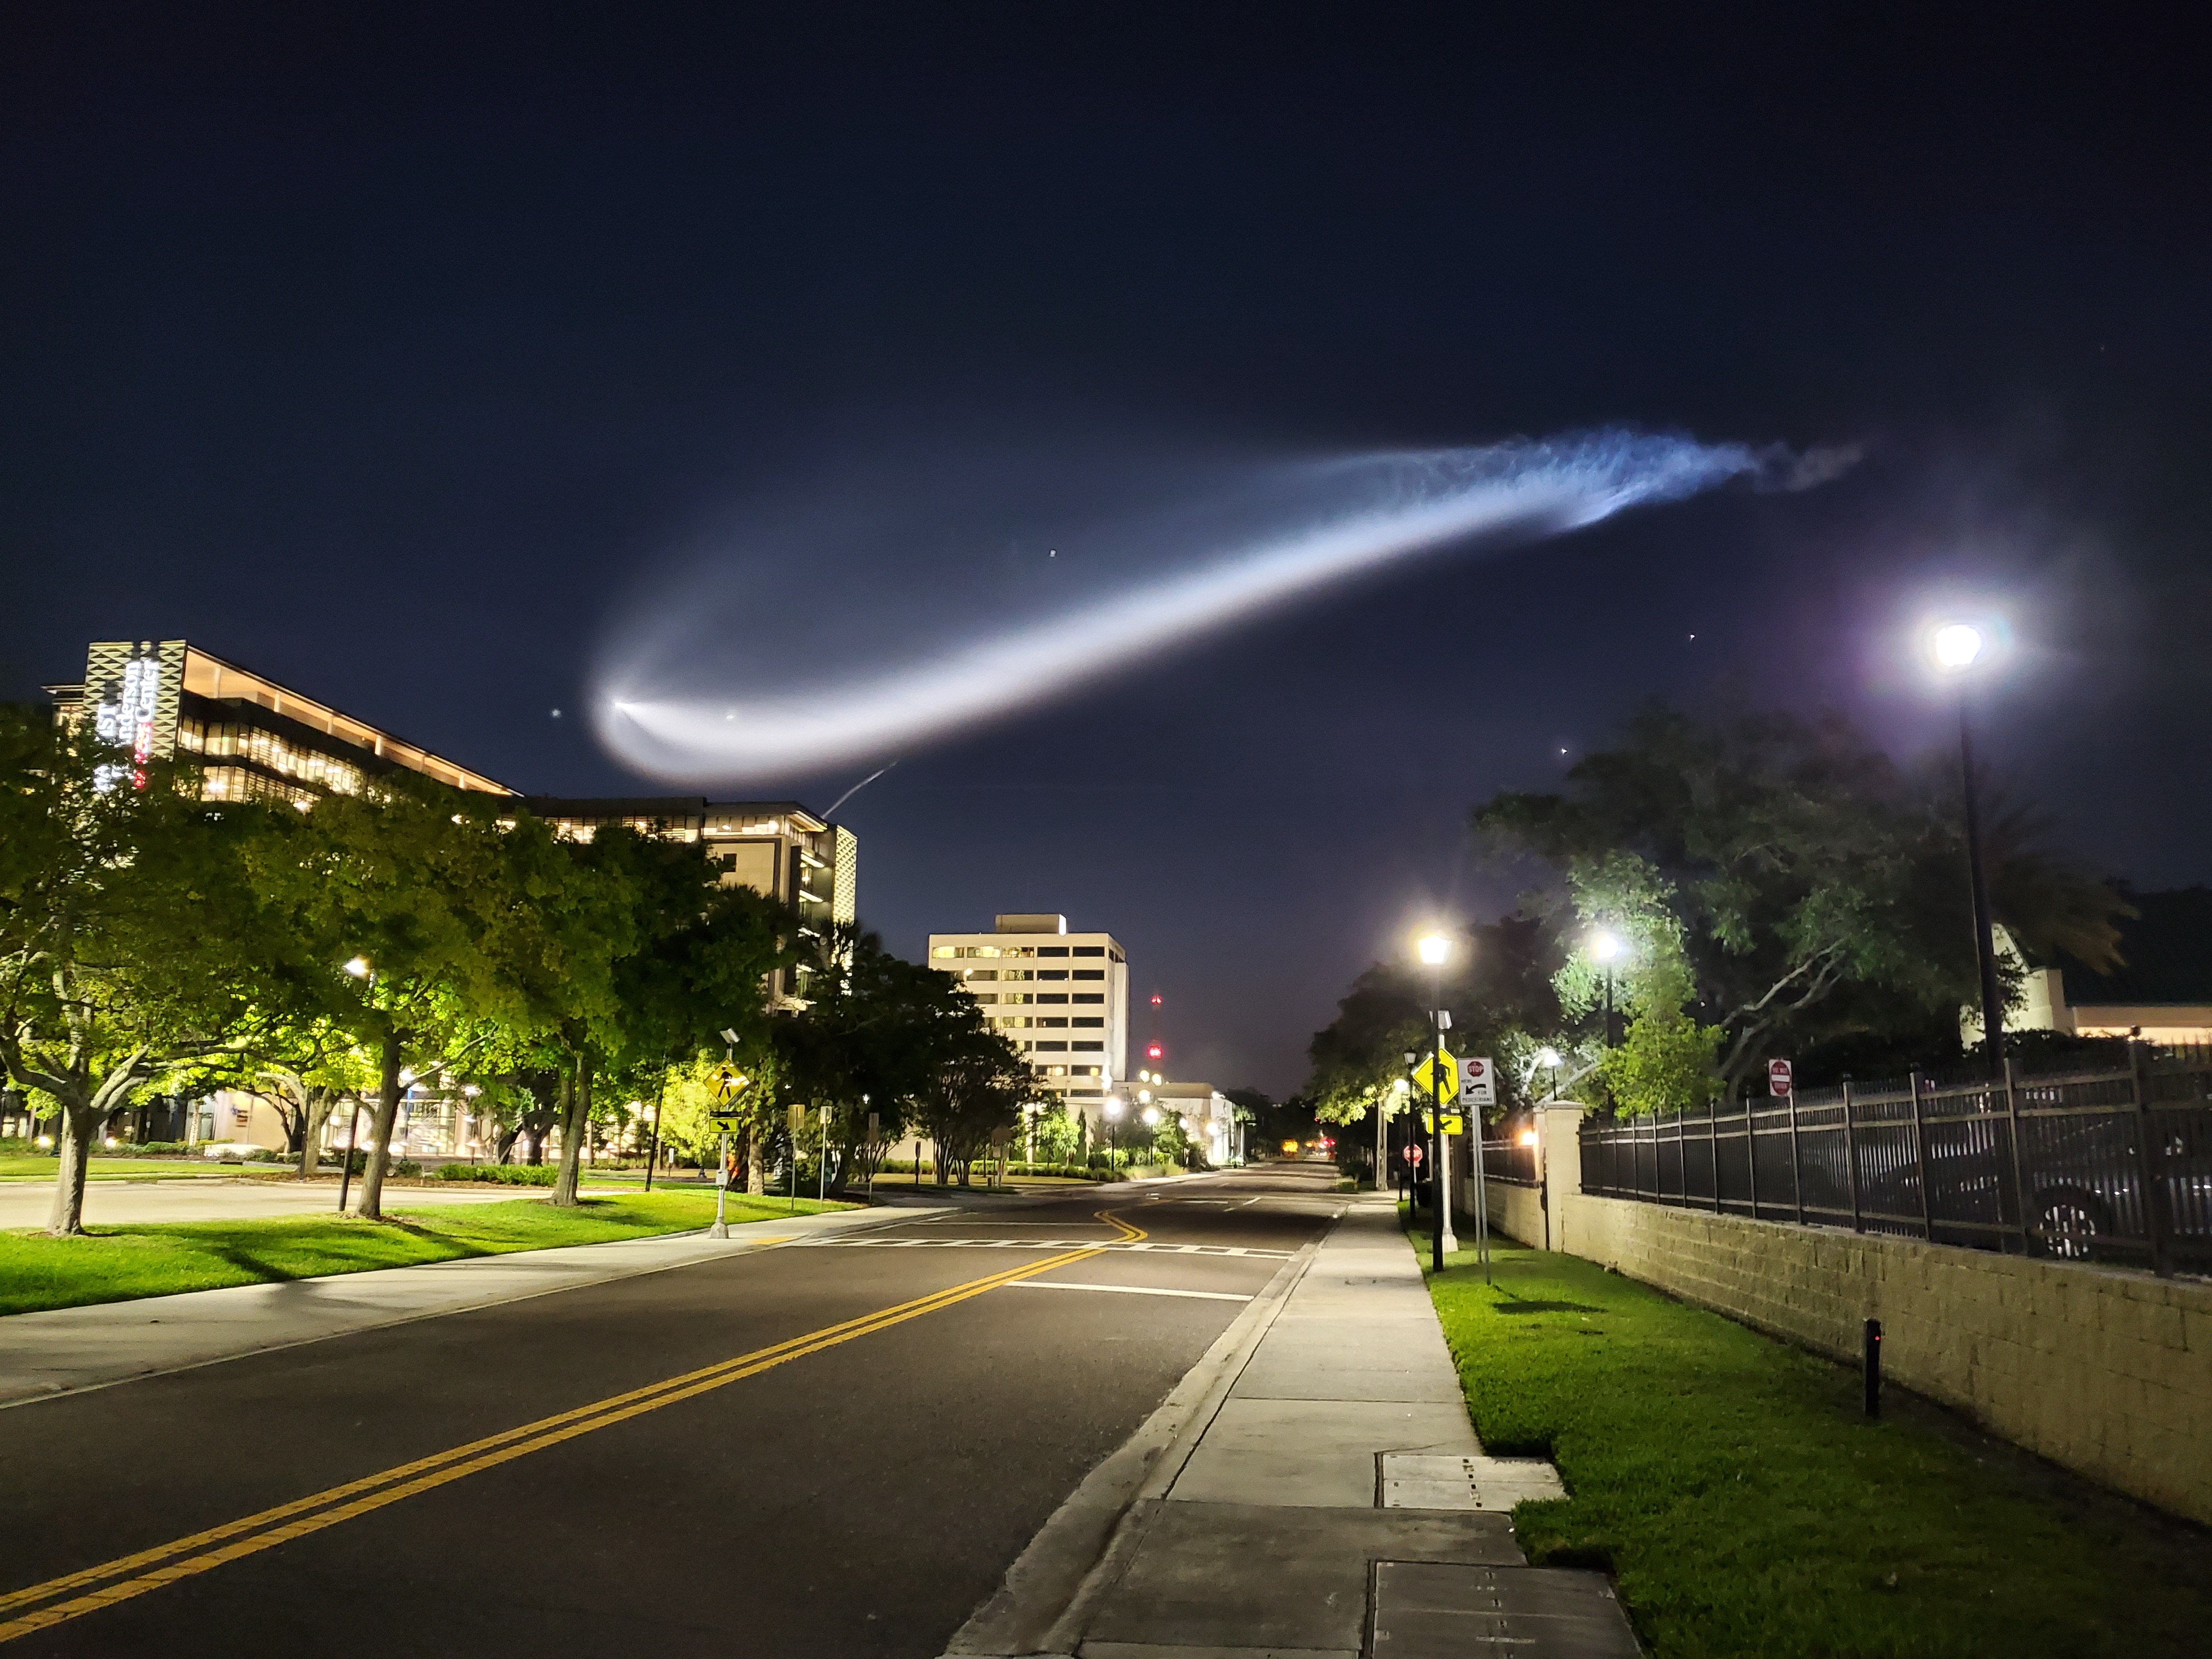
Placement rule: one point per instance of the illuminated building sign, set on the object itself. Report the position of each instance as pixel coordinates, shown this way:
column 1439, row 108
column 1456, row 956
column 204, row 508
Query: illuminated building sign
column 126, row 720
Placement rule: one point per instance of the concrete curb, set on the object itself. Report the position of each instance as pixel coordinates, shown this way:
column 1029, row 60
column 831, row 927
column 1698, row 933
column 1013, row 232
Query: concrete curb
column 1078, row 1552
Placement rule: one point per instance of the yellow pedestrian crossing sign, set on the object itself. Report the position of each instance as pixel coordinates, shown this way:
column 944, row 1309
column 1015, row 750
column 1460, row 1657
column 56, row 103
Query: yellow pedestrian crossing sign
column 1426, row 1077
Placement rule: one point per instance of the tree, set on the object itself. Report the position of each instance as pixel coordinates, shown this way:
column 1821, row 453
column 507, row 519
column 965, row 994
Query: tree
column 395, row 893
column 977, row 1083
column 1497, row 987
column 877, row 1034
column 131, row 936
column 1816, row 889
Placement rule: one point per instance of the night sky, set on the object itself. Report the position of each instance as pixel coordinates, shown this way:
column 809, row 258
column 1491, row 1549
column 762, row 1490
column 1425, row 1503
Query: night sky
column 390, row 351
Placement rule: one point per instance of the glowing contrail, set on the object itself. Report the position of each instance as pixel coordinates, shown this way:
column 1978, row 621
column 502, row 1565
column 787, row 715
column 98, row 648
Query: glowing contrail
column 1355, row 515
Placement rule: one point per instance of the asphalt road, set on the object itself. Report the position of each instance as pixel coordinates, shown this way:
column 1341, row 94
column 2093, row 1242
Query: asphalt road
column 858, row 1492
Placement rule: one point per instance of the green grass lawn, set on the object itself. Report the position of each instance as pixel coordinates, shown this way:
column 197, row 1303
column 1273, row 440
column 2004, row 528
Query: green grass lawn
column 117, row 1264
column 30, row 1166
column 1747, row 1507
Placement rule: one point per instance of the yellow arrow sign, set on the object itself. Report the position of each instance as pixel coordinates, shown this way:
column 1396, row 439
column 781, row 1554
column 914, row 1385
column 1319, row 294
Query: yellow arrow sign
column 1425, row 1079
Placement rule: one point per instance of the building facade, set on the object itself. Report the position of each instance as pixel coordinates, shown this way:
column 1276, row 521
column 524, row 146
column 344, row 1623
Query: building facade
column 777, row 848
column 1061, row 998
column 253, row 738
column 1209, row 1117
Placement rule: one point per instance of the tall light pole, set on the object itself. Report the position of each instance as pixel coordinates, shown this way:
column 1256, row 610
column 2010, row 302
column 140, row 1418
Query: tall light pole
column 1434, row 949
column 1606, row 948
column 1956, row 647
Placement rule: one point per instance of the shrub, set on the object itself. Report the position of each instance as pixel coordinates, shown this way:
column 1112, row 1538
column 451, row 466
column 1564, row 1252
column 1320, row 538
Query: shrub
column 508, row 1175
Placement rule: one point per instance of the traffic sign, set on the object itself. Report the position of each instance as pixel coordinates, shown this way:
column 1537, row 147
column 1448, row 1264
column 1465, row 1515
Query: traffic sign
column 1454, row 1124
column 1780, row 1080
column 1426, row 1078
column 1478, row 1081
column 1412, row 1152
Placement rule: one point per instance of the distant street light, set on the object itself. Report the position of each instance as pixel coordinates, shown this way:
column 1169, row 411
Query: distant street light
column 1956, row 647
column 358, row 967
column 1113, row 1110
column 1548, row 1060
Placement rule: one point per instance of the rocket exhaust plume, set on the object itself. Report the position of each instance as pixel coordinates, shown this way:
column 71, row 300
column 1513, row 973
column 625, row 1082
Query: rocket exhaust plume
column 844, row 633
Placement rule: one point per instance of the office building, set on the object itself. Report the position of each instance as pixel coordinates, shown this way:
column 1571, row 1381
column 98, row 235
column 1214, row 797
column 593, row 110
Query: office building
column 1061, row 998
column 253, row 738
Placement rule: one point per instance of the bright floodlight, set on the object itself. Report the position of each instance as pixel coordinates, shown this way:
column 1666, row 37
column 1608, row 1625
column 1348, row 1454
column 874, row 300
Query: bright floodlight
column 358, row 967
column 1604, row 946
column 1957, row 644
column 1434, row 948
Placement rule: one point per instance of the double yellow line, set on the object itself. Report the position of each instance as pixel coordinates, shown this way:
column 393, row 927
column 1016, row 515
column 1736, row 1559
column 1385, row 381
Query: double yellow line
column 42, row 1606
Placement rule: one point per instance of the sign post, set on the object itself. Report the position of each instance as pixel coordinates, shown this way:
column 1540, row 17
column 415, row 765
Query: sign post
column 1438, row 1076
column 1477, row 1087
column 796, row 1117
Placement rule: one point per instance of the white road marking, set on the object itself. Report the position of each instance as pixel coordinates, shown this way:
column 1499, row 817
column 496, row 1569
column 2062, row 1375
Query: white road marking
column 1123, row 1290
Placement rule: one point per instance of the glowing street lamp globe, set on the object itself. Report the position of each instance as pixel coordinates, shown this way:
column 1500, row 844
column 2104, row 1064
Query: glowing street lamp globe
column 1956, row 645
column 1434, row 948
column 1152, row 1116
column 1604, row 947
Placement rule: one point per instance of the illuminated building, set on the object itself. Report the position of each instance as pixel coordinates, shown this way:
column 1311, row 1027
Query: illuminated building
column 1210, row 1116
column 253, row 738
column 1060, row 998
column 777, row 848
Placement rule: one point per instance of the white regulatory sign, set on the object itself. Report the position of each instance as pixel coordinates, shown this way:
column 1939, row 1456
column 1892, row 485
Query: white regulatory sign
column 1779, row 1079
column 1478, row 1081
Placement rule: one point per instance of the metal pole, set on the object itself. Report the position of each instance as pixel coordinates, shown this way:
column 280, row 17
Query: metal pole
column 721, row 1227
column 1851, row 1157
column 2151, row 1160
column 821, row 1162
column 1437, row 1125
column 653, row 1153
column 1481, row 1195
column 1751, row 1154
column 1985, row 955
column 345, row 1170
column 2019, row 1187
column 1796, row 1163
column 1920, row 1160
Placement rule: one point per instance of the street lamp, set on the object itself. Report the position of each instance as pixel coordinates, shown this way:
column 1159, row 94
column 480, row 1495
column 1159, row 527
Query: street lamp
column 1434, row 950
column 1608, row 949
column 358, row 968
column 1956, row 647
column 1113, row 1110
column 1548, row 1060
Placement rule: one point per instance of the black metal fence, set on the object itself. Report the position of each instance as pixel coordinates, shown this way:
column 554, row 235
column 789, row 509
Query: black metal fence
column 1511, row 1162
column 2109, row 1162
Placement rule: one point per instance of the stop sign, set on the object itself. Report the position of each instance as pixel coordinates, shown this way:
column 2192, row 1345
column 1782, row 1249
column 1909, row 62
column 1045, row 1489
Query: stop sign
column 1412, row 1152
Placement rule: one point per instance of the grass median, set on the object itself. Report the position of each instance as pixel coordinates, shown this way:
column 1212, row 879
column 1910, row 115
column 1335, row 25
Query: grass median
column 118, row 1264
column 1747, row 1507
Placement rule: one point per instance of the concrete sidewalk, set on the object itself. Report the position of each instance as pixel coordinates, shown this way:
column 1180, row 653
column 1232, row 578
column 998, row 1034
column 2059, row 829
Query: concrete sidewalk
column 67, row 1349
column 1322, row 1496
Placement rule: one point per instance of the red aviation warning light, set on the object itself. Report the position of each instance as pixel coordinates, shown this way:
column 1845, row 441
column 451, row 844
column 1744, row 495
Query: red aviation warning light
column 1154, row 1053
column 1156, row 1000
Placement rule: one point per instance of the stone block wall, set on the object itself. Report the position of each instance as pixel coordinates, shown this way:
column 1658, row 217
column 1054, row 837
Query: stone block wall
column 2106, row 1371
column 1517, row 1212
